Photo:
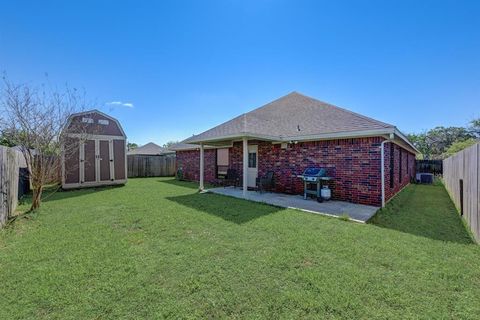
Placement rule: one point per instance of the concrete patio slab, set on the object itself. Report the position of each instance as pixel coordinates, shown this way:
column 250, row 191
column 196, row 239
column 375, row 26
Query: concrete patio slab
column 356, row 212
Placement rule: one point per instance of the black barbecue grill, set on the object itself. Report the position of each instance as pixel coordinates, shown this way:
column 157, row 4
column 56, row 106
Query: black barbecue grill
column 314, row 176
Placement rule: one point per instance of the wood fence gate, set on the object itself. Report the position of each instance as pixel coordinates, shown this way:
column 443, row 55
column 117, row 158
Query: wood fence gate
column 151, row 165
column 461, row 174
column 9, row 161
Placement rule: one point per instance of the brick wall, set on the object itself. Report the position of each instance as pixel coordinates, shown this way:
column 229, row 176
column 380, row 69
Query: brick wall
column 189, row 162
column 354, row 165
column 407, row 169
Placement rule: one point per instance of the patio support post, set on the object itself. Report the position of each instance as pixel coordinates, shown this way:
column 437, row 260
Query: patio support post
column 201, row 166
column 245, row 166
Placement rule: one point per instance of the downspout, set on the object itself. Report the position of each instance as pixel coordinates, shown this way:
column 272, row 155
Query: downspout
column 382, row 165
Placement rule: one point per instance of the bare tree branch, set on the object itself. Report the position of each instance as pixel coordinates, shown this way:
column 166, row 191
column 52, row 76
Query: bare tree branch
column 35, row 119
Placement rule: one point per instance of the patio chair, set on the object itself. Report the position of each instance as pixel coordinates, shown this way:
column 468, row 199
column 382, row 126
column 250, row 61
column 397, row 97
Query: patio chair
column 267, row 182
column 231, row 178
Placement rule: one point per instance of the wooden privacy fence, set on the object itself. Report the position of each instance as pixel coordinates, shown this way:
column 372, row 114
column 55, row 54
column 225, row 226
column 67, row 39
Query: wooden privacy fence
column 429, row 166
column 461, row 174
column 9, row 169
column 151, row 165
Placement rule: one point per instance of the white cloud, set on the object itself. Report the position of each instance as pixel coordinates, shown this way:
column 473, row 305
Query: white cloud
column 120, row 104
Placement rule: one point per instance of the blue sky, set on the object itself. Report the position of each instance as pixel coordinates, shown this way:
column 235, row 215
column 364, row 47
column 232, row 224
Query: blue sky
column 186, row 66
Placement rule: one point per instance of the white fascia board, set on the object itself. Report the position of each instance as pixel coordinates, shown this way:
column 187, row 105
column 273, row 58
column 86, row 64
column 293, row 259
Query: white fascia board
column 326, row 136
column 404, row 138
column 239, row 136
column 341, row 135
column 279, row 139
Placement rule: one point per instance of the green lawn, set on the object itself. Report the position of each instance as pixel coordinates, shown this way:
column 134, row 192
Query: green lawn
column 157, row 249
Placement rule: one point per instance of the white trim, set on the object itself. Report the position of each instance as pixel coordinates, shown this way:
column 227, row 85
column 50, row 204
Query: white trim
column 111, row 160
column 87, row 136
column 125, row 155
column 402, row 136
column 245, row 166
column 97, row 160
column 202, row 167
column 312, row 137
column 92, row 184
column 315, row 137
column 340, row 135
column 239, row 136
column 252, row 171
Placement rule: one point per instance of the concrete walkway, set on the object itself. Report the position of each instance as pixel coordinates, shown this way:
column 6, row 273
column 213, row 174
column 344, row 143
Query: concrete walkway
column 356, row 212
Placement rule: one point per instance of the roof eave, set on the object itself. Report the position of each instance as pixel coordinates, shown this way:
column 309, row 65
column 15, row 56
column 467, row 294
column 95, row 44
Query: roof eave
column 313, row 137
column 404, row 138
column 194, row 140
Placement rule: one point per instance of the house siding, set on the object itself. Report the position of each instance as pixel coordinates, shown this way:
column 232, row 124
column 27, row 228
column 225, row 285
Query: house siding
column 354, row 165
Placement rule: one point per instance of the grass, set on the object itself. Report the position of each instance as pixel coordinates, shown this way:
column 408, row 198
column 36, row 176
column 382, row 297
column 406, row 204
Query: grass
column 424, row 211
column 158, row 249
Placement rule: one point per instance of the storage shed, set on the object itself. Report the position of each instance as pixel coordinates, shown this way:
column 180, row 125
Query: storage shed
column 94, row 153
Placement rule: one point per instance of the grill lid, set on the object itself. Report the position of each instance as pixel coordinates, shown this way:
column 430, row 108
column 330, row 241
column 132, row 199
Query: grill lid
column 315, row 172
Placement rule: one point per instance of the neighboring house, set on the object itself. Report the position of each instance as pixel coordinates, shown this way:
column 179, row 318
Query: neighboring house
column 150, row 149
column 295, row 132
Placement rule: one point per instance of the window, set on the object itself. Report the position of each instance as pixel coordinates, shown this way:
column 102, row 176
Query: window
column 103, row 121
column 87, row 120
column 400, row 166
column 408, row 165
column 222, row 162
column 392, row 163
column 252, row 159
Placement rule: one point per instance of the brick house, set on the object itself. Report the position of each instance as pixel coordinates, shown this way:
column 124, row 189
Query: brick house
column 295, row 132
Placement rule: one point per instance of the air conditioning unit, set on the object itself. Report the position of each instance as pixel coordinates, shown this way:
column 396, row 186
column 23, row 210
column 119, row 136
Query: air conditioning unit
column 426, row 178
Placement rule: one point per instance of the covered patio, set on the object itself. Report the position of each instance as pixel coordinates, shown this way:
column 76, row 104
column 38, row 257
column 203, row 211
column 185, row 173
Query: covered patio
column 356, row 212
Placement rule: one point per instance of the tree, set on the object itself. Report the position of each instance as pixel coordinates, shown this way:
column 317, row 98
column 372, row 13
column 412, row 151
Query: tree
column 434, row 143
column 474, row 127
column 131, row 146
column 169, row 144
column 459, row 146
column 6, row 139
column 420, row 141
column 35, row 118
column 440, row 138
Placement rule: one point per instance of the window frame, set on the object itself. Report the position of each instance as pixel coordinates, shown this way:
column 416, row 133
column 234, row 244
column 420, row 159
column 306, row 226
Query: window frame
column 392, row 165
column 222, row 175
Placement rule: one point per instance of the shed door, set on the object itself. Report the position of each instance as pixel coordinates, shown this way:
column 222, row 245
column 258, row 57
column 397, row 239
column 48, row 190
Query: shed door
column 104, row 160
column 72, row 164
column 89, row 161
column 119, row 159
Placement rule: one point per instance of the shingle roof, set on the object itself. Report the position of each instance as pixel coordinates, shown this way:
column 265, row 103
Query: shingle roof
column 291, row 116
column 150, row 149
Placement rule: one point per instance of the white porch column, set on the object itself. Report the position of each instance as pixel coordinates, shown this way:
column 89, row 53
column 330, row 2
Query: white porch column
column 201, row 166
column 245, row 166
